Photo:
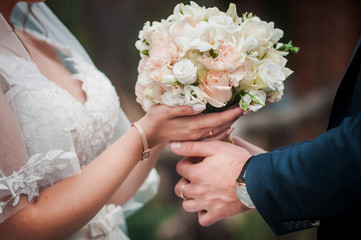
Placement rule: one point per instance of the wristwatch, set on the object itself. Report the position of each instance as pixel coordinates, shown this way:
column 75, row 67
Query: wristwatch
column 241, row 190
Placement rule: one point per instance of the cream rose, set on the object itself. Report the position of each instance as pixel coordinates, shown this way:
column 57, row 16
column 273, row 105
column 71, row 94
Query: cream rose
column 216, row 88
column 185, row 71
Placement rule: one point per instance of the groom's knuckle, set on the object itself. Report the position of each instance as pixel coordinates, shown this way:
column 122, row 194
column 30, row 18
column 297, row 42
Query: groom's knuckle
column 179, row 167
column 193, row 175
column 200, row 191
column 197, row 192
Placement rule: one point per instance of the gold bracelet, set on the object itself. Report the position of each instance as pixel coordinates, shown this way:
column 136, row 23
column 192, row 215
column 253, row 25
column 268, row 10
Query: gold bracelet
column 146, row 149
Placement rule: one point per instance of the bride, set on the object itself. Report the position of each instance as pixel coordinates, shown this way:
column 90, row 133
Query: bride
column 70, row 162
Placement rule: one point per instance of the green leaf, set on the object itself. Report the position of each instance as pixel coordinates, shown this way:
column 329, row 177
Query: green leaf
column 181, row 8
column 243, row 104
column 213, row 53
column 286, row 47
column 246, row 15
column 145, row 41
column 232, row 12
column 145, row 52
column 260, row 58
column 256, row 99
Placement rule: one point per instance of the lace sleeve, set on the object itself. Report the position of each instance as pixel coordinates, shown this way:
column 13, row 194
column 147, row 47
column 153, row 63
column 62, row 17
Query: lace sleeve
column 30, row 160
column 24, row 175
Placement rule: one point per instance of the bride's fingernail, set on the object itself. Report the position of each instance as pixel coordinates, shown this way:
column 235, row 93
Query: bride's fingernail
column 230, row 130
column 199, row 107
column 175, row 145
column 247, row 112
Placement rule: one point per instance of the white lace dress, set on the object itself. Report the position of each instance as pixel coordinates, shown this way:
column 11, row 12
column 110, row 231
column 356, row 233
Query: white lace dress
column 62, row 135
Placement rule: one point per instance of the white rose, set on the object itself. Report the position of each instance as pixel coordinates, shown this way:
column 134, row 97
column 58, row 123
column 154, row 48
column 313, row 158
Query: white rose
column 185, row 71
column 271, row 74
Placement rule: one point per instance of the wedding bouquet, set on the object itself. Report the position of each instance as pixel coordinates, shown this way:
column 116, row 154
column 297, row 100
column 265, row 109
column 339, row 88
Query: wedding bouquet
column 202, row 55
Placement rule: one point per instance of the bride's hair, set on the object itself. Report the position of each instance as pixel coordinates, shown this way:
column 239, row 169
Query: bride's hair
column 30, row 11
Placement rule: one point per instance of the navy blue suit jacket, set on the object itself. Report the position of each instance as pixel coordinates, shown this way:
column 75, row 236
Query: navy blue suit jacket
column 316, row 182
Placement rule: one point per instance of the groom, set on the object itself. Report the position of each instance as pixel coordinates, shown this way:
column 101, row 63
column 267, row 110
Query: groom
column 308, row 184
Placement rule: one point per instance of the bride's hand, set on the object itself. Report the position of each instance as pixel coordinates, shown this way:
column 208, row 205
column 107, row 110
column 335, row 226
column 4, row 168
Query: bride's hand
column 163, row 123
column 251, row 148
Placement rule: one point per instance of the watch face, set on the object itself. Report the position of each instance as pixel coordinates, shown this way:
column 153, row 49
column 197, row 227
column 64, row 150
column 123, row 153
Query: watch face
column 243, row 196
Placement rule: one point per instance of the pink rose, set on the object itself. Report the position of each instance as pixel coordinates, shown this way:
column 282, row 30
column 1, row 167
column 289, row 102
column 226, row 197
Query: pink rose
column 216, row 88
column 162, row 54
column 228, row 59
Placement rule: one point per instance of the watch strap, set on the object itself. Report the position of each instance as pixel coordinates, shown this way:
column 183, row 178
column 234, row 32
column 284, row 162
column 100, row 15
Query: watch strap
column 242, row 176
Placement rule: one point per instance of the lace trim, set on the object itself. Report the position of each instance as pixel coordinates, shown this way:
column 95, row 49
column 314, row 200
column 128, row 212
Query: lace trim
column 26, row 180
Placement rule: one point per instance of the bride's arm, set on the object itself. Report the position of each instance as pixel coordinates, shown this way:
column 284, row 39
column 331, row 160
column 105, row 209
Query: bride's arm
column 136, row 178
column 64, row 208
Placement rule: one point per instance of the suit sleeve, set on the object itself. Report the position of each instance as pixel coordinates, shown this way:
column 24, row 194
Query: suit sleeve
column 300, row 185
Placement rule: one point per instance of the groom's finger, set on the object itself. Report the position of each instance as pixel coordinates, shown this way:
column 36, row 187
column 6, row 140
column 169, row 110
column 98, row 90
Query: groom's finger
column 187, row 166
column 206, row 218
column 197, row 149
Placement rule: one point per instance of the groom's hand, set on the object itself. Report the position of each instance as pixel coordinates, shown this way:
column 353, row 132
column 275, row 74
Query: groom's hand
column 209, row 172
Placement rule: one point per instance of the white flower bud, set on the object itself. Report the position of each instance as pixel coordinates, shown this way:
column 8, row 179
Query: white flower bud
column 169, row 80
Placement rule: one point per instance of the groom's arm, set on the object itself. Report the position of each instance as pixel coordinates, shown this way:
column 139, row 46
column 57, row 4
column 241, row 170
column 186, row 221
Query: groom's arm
column 295, row 186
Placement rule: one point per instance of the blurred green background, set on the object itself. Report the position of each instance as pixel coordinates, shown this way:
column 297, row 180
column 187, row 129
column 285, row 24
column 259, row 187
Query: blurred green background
column 326, row 31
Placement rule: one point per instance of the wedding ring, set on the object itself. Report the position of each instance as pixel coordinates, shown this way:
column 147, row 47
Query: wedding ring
column 181, row 192
column 211, row 133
